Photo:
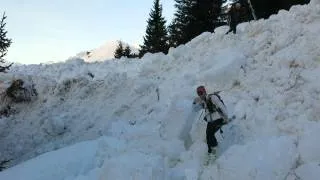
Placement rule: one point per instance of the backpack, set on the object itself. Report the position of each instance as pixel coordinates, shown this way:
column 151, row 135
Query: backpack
column 217, row 94
column 211, row 107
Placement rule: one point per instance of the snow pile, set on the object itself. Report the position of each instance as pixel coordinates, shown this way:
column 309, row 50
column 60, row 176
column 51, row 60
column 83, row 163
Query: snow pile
column 127, row 119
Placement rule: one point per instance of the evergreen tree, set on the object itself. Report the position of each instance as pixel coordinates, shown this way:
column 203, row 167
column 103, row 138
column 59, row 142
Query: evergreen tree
column 127, row 52
column 119, row 50
column 155, row 39
column 175, row 33
column 179, row 27
column 192, row 18
column 216, row 13
column 4, row 43
column 265, row 8
column 206, row 15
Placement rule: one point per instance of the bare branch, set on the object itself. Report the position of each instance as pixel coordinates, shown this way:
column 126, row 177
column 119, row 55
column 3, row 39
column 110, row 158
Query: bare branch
column 4, row 68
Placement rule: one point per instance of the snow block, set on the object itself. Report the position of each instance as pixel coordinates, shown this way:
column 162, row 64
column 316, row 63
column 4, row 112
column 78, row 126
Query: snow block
column 309, row 145
column 309, row 171
column 133, row 165
column 56, row 165
column 224, row 67
column 79, row 161
column 263, row 159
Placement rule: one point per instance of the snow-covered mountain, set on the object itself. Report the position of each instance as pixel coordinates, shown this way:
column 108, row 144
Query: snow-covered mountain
column 126, row 121
column 104, row 52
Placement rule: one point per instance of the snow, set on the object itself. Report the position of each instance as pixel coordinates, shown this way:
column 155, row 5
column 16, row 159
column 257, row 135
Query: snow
column 261, row 159
column 309, row 146
column 310, row 171
column 140, row 166
column 104, row 52
column 133, row 118
column 73, row 160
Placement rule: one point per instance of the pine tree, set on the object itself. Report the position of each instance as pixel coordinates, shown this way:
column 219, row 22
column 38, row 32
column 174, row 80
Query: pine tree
column 192, row 18
column 4, row 43
column 155, row 39
column 127, row 52
column 265, row 8
column 206, row 13
column 119, row 50
column 179, row 27
column 216, row 13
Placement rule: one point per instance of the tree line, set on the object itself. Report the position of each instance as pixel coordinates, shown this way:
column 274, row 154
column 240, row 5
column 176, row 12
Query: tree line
column 193, row 17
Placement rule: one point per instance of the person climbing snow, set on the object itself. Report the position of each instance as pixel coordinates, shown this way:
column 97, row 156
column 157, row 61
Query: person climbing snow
column 234, row 17
column 215, row 114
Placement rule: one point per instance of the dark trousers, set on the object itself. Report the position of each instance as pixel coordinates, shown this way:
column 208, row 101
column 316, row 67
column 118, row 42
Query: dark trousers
column 232, row 28
column 212, row 128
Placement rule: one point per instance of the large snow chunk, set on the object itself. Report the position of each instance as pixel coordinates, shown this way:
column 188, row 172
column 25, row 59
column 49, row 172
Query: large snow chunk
column 263, row 159
column 314, row 2
column 74, row 161
column 309, row 145
column 223, row 67
column 134, row 165
column 55, row 125
column 309, row 171
column 70, row 161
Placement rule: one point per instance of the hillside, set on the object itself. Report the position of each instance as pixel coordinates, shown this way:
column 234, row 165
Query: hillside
column 126, row 121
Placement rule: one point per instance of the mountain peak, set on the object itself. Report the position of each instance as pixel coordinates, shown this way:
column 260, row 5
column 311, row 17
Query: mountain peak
column 103, row 52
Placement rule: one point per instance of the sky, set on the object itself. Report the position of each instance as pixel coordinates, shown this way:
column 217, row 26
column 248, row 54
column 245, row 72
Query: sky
column 44, row 31
column 134, row 119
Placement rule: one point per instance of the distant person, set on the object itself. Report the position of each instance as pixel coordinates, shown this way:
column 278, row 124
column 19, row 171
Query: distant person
column 234, row 17
column 215, row 115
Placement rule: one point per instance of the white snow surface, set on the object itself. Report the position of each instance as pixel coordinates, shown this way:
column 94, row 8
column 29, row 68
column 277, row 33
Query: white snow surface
column 104, row 52
column 133, row 118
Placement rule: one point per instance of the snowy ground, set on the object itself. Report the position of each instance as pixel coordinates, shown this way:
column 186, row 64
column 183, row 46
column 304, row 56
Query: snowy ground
column 126, row 121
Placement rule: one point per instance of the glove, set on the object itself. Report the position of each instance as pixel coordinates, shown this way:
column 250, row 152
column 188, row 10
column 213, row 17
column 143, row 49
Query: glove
column 197, row 104
column 196, row 107
column 225, row 120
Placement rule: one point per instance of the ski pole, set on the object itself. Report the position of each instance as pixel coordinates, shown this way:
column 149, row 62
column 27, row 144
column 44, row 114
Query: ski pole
column 221, row 133
column 200, row 115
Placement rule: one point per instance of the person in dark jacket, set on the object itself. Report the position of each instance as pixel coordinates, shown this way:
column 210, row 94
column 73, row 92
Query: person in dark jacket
column 215, row 114
column 234, row 17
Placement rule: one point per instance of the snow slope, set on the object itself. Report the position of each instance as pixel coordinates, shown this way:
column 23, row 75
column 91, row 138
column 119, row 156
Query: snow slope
column 104, row 52
column 126, row 121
